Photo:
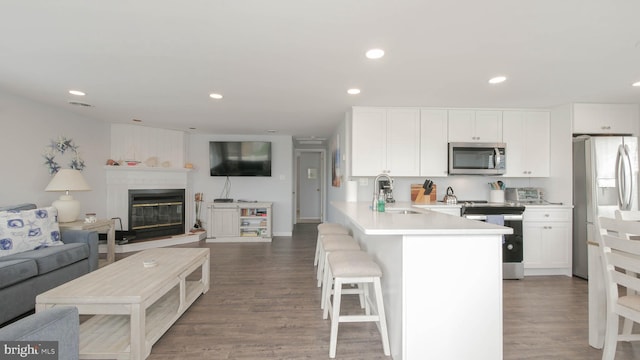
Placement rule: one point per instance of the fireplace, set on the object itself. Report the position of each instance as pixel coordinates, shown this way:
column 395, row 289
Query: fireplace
column 156, row 212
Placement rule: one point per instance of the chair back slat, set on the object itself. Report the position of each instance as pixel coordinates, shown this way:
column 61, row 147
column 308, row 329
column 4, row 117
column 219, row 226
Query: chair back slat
column 627, row 215
column 632, row 248
column 627, row 280
column 623, row 261
column 624, row 227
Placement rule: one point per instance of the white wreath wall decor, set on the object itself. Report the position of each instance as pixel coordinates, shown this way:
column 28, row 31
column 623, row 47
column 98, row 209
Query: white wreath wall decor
column 62, row 146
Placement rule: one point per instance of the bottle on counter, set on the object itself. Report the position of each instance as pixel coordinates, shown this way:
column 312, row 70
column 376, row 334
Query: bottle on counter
column 374, row 203
column 381, row 201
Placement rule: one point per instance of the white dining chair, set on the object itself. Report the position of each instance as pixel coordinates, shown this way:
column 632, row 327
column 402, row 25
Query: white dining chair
column 628, row 215
column 621, row 259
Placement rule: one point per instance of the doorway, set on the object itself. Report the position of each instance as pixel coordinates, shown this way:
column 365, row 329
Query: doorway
column 310, row 174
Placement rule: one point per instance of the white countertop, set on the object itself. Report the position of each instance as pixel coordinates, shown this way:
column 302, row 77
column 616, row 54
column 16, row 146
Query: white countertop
column 440, row 204
column 427, row 222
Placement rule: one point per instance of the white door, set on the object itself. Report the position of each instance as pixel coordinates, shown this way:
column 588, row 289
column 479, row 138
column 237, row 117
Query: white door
column 309, row 194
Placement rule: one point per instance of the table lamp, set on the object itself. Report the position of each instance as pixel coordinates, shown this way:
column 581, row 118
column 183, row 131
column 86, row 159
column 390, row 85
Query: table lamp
column 67, row 180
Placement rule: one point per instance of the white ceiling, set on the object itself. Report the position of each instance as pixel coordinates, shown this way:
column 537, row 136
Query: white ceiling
column 286, row 64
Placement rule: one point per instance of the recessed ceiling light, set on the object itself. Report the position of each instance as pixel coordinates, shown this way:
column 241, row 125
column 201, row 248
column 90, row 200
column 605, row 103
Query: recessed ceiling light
column 636, row 84
column 353, row 91
column 76, row 92
column 497, row 79
column 215, row 96
column 375, row 54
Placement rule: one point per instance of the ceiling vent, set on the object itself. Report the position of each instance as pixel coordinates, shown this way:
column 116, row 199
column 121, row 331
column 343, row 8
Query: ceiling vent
column 77, row 103
column 309, row 142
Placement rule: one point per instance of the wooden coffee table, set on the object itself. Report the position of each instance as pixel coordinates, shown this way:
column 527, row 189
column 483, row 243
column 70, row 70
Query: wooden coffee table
column 132, row 304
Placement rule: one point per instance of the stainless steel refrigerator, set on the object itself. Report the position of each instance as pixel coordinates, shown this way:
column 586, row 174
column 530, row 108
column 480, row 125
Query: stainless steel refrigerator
column 605, row 179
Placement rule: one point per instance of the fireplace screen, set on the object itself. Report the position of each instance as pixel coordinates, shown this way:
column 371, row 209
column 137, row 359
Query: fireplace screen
column 155, row 213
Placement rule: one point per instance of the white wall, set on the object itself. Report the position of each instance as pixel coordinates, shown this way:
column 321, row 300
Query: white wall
column 465, row 187
column 339, row 193
column 143, row 143
column 26, row 128
column 277, row 189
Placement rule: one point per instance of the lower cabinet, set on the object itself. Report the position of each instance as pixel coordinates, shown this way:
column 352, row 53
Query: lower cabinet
column 239, row 222
column 224, row 222
column 547, row 241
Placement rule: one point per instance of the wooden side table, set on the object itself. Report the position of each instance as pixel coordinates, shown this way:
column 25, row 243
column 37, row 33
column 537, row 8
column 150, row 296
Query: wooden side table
column 102, row 225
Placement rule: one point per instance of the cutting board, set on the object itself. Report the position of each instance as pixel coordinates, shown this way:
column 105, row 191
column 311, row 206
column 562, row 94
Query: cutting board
column 418, row 196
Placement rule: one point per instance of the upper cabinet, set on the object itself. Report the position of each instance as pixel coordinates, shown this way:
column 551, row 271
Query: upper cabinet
column 475, row 126
column 605, row 119
column 413, row 142
column 527, row 136
column 433, row 142
column 385, row 141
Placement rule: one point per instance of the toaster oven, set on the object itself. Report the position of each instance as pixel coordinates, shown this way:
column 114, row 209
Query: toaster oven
column 524, row 195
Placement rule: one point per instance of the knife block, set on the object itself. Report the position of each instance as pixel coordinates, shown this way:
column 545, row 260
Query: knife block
column 418, row 196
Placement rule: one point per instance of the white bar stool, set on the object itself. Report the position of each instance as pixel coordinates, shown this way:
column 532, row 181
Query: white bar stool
column 354, row 267
column 326, row 286
column 329, row 243
column 328, row 229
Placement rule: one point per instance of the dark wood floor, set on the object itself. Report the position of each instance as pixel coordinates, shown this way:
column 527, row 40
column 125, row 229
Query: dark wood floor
column 263, row 304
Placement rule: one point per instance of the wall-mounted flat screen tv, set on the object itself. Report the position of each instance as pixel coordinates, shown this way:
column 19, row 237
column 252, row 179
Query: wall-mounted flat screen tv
column 240, row 158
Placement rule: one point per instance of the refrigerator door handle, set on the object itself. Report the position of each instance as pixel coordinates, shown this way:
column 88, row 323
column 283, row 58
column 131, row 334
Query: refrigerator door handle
column 619, row 177
column 628, row 180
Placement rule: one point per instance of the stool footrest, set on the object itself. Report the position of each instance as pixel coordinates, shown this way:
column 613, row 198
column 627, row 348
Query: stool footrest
column 358, row 318
column 351, row 291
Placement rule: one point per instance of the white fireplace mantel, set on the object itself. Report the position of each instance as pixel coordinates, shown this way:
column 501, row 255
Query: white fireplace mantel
column 121, row 179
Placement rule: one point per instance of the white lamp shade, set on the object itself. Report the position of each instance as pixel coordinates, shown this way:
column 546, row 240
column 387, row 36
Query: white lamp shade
column 67, row 180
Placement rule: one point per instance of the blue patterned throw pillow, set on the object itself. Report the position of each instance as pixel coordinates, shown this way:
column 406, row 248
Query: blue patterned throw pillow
column 28, row 230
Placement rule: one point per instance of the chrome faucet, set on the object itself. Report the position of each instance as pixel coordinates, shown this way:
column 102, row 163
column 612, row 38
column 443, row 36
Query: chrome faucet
column 376, row 188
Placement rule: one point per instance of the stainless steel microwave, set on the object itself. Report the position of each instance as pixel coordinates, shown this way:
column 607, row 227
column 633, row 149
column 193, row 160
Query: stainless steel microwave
column 477, row 158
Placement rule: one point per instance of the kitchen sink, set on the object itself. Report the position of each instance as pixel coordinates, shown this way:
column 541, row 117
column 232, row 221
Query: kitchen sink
column 402, row 211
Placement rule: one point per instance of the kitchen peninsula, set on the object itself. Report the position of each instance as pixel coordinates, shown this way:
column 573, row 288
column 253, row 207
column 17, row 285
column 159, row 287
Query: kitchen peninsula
column 442, row 280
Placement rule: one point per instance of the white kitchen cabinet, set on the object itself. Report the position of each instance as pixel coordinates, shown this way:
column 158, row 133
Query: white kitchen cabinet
column 385, row 141
column 240, row 222
column 527, row 136
column 605, row 118
column 433, row 142
column 475, row 126
column 547, row 241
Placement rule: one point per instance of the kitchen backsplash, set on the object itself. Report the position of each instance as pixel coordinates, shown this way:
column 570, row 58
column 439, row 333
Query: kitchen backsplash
column 464, row 187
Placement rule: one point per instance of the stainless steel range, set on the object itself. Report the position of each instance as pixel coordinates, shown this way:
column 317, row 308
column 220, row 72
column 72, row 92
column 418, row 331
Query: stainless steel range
column 509, row 215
